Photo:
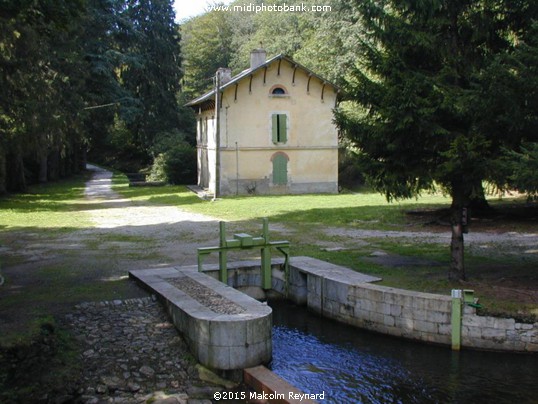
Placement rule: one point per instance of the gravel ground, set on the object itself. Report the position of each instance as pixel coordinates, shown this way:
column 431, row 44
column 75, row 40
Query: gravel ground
column 133, row 354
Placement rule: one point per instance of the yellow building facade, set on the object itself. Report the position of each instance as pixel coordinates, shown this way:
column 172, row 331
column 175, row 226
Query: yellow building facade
column 272, row 132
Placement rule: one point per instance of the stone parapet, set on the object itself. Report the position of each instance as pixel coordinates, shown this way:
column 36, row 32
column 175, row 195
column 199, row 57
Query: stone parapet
column 224, row 328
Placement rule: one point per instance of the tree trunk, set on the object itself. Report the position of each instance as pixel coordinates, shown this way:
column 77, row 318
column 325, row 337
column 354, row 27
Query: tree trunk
column 478, row 202
column 460, row 199
column 43, row 168
column 2, row 171
column 457, row 268
column 15, row 178
column 54, row 164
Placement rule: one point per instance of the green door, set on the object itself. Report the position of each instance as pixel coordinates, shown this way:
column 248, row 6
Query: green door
column 280, row 169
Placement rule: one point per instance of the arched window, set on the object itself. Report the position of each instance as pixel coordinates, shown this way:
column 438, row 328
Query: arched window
column 278, row 90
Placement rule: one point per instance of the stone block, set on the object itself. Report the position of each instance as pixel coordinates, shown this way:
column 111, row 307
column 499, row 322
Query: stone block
column 388, row 321
column 493, row 333
column 438, row 317
column 404, row 323
column 347, row 310
column 227, row 332
column 531, row 347
column 444, row 329
column 505, row 323
column 336, row 290
column 376, row 317
column 314, row 302
column 218, row 357
column 259, row 330
column 395, row 310
column 361, row 314
column 419, row 302
column 420, row 314
column 375, row 295
column 425, row 326
column 314, row 284
column 470, row 331
column 383, row 308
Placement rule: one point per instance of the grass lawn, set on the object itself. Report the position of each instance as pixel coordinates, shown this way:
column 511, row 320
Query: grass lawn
column 367, row 210
column 53, row 207
column 495, row 275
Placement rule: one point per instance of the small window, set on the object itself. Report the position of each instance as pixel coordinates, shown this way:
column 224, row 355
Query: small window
column 279, row 128
column 278, row 90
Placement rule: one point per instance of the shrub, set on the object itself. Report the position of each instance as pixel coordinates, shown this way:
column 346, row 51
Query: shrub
column 175, row 166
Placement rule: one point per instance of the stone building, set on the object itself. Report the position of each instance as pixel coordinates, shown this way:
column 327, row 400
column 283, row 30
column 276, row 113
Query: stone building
column 273, row 132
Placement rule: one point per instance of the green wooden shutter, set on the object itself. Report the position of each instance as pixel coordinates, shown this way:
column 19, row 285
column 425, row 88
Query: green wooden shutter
column 282, row 128
column 274, row 127
column 279, row 128
column 280, row 170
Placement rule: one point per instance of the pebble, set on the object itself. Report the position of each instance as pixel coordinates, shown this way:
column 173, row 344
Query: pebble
column 132, row 353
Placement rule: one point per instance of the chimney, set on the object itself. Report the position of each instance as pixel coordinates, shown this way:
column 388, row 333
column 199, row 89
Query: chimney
column 257, row 58
column 225, row 74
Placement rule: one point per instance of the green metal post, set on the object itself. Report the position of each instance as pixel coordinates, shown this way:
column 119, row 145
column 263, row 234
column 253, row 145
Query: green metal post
column 199, row 262
column 266, row 257
column 456, row 319
column 223, row 254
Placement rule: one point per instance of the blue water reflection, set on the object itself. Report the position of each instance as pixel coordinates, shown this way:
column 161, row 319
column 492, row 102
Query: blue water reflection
column 354, row 366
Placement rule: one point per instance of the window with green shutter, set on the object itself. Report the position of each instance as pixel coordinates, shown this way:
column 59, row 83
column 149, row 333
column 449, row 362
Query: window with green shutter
column 280, row 128
column 280, row 169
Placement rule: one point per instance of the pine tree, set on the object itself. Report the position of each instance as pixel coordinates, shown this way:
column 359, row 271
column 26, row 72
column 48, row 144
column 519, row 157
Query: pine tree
column 420, row 98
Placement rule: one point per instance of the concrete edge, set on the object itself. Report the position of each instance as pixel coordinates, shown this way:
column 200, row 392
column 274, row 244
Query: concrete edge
column 274, row 389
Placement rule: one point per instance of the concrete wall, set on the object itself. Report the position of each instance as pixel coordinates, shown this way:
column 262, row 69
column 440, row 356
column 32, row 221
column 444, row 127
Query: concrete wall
column 403, row 313
column 350, row 297
column 220, row 341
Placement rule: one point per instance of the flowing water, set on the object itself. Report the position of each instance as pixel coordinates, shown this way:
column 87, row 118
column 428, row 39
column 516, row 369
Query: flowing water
column 355, row 366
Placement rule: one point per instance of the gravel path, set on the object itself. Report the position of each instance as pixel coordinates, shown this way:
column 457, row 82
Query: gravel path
column 510, row 239
column 131, row 351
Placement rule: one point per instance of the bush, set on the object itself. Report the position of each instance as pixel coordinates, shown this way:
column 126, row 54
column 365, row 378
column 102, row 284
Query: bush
column 175, row 166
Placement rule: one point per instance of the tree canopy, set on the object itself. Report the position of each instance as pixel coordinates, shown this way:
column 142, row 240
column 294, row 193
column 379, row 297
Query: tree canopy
column 426, row 108
column 438, row 93
column 97, row 76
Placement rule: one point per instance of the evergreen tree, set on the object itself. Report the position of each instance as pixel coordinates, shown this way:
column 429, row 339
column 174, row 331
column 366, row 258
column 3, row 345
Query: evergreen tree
column 421, row 103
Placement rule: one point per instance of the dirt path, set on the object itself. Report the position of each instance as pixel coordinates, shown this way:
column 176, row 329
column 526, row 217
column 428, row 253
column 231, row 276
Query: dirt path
column 173, row 234
column 129, row 235
column 50, row 272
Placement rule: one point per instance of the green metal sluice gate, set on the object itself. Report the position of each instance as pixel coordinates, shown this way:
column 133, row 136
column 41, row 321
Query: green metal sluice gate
column 243, row 241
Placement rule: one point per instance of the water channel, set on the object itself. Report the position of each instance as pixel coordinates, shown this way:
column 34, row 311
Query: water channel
column 356, row 366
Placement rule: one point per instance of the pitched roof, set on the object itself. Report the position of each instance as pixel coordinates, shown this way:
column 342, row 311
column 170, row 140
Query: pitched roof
column 210, row 95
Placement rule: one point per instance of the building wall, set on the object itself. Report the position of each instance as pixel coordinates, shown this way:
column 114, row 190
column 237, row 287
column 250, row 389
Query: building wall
column 247, row 148
column 206, row 131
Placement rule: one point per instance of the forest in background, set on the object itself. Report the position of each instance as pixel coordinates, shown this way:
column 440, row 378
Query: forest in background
column 436, row 94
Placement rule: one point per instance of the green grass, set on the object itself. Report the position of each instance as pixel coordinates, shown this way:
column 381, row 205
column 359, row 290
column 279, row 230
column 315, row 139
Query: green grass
column 54, row 206
column 367, row 210
column 308, row 215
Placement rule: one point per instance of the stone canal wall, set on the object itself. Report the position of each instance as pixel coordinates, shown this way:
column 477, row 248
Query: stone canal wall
column 350, row 297
column 337, row 293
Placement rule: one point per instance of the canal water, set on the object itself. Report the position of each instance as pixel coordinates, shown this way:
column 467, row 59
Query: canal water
column 356, row 366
